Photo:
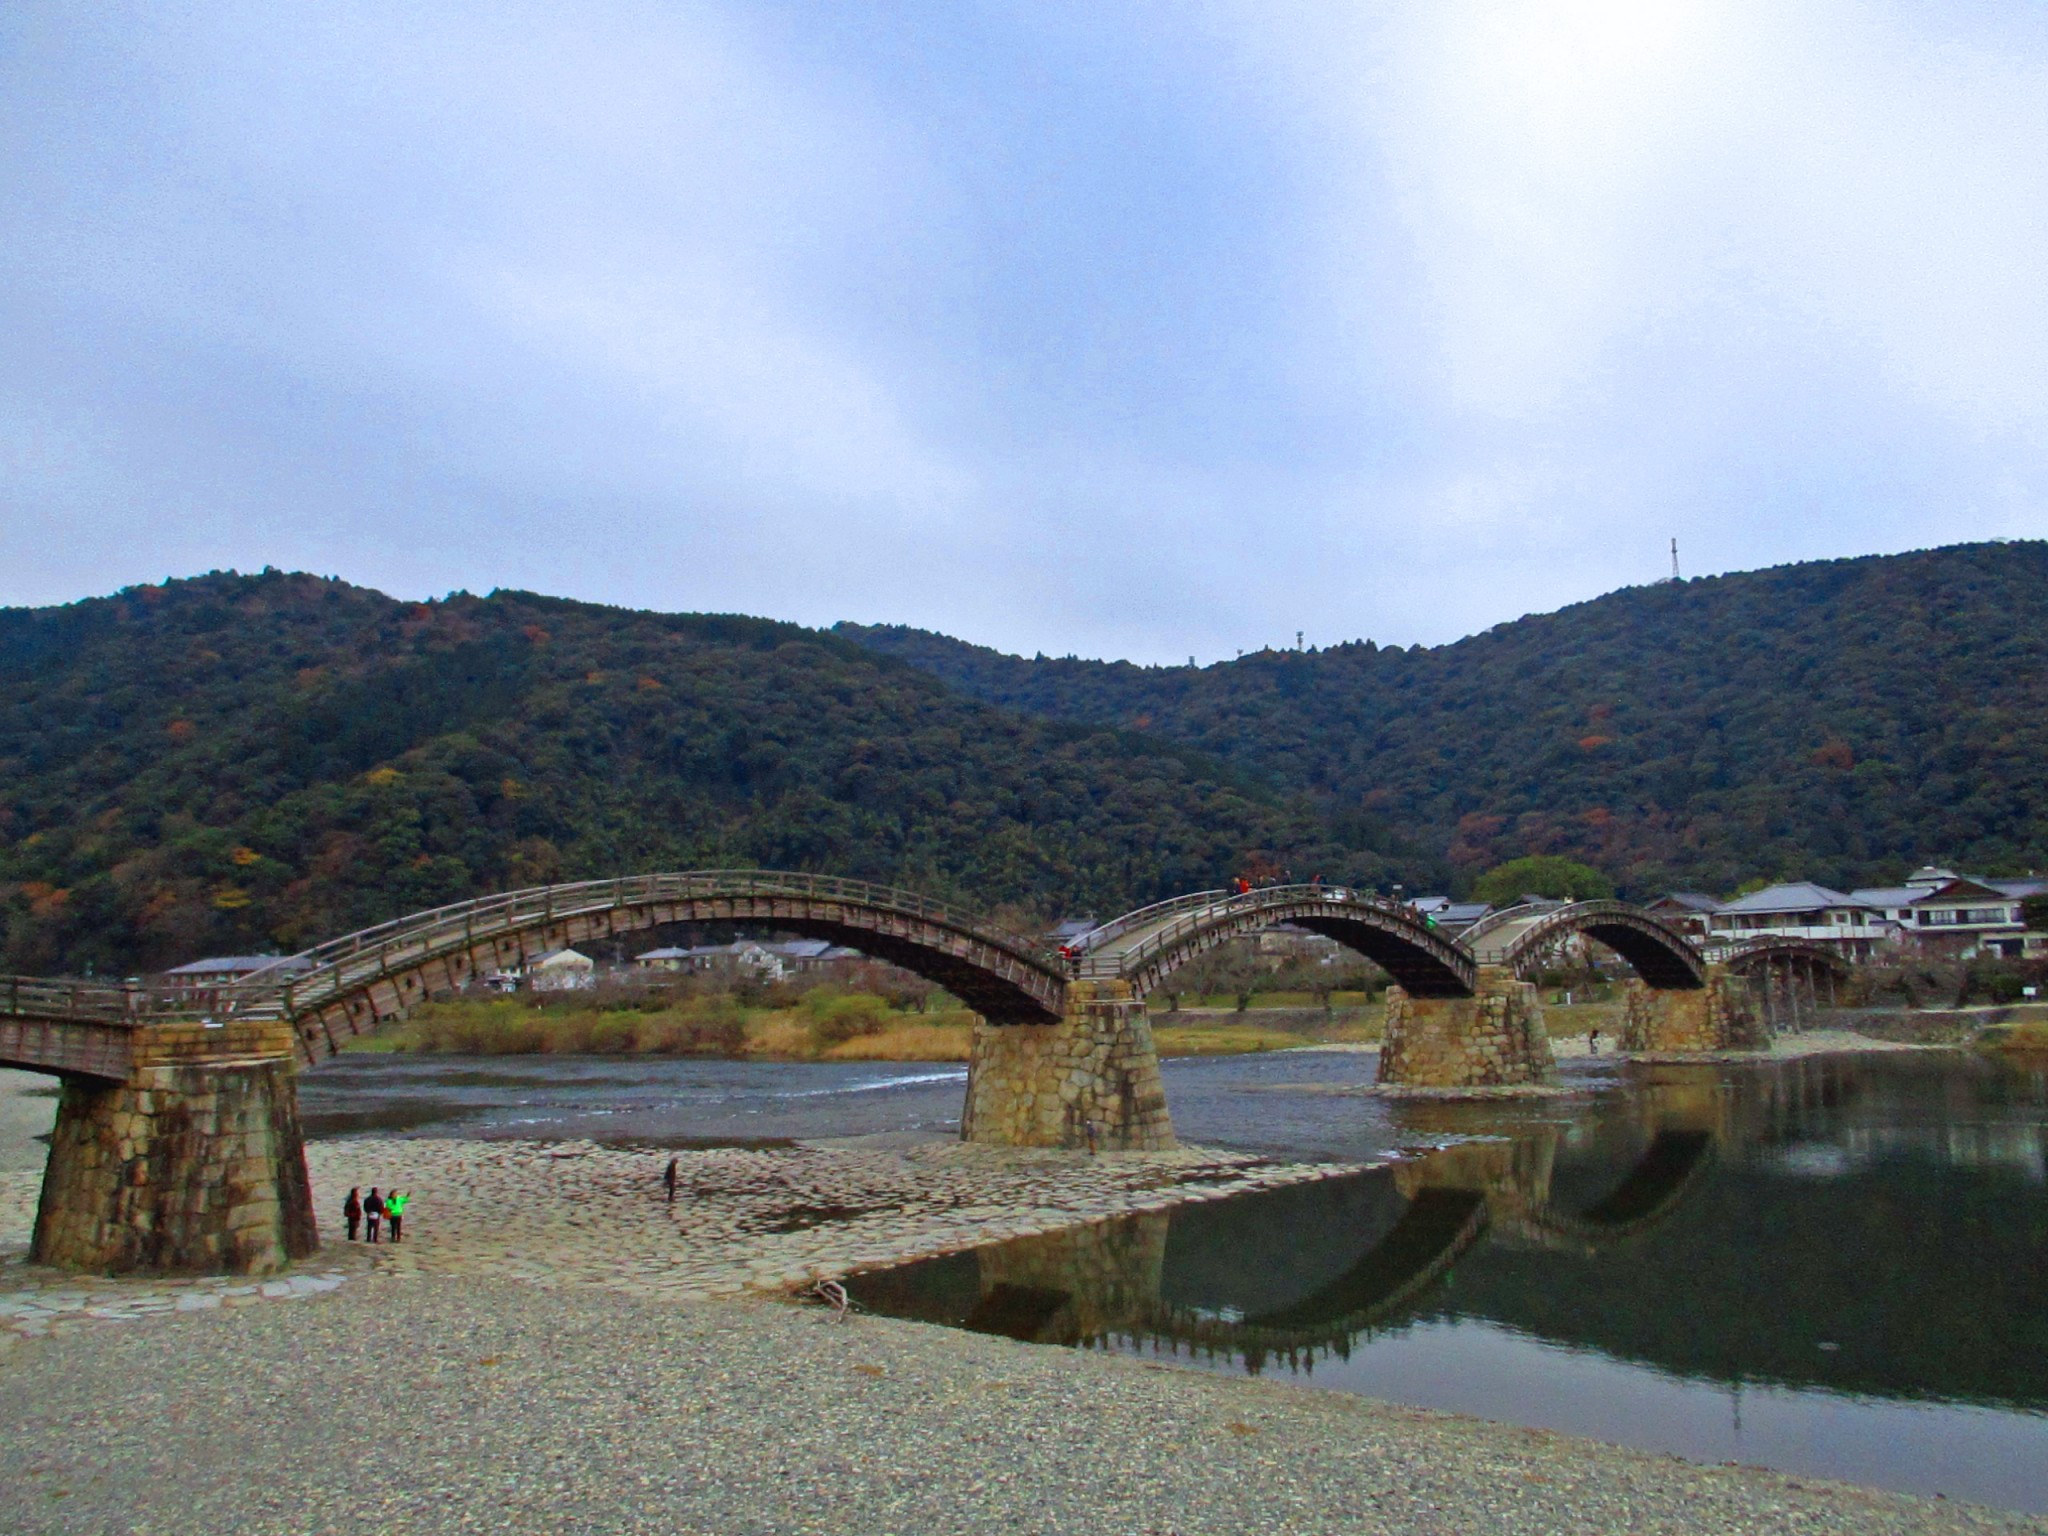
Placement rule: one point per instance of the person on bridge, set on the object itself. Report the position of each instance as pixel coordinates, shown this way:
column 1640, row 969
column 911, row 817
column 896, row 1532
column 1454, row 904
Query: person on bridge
column 373, row 1212
column 394, row 1211
column 668, row 1179
column 352, row 1211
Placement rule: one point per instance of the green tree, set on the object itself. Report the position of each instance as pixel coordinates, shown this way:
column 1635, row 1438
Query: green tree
column 1542, row 874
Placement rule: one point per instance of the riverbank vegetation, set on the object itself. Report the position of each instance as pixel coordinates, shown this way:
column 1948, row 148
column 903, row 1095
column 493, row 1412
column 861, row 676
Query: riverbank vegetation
column 827, row 1023
column 824, row 1023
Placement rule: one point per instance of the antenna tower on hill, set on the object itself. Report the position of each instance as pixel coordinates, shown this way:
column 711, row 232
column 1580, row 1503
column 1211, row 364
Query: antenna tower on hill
column 1674, row 560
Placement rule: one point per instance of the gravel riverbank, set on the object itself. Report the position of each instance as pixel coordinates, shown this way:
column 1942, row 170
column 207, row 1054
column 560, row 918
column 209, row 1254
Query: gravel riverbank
column 437, row 1405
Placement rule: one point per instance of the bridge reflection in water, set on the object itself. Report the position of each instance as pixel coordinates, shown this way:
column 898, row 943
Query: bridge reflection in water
column 1831, row 1266
column 1862, row 1225
column 1306, row 1270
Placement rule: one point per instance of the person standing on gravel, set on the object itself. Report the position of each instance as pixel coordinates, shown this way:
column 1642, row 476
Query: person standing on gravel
column 352, row 1211
column 668, row 1179
column 394, row 1209
column 373, row 1212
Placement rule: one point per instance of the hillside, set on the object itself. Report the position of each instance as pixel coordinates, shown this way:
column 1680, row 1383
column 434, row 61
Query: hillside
column 1840, row 720
column 237, row 762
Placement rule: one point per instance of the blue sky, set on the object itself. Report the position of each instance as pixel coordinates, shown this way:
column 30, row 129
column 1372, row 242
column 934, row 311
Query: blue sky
column 1144, row 330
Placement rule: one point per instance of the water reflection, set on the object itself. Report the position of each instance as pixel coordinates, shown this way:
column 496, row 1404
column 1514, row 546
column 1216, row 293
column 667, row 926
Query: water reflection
column 1866, row 1233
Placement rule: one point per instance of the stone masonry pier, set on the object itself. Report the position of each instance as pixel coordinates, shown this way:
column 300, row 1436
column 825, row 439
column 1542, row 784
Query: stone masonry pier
column 1495, row 1038
column 194, row 1163
column 1089, row 1082
column 1721, row 1016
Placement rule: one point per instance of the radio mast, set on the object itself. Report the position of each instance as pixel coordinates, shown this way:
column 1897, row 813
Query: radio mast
column 1674, row 560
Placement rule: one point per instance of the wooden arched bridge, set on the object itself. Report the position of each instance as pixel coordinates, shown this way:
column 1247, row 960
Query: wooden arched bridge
column 1063, row 1056
column 348, row 986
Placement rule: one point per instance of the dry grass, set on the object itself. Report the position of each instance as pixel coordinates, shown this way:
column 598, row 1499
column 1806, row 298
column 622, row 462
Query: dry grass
column 1260, row 1002
column 825, row 1026
column 1223, row 1039
column 2029, row 1035
column 779, row 1037
column 510, row 1027
column 908, row 1042
column 1563, row 1021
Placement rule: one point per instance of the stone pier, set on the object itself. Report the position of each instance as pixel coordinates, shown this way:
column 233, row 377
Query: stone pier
column 194, row 1164
column 1089, row 1082
column 1721, row 1016
column 1495, row 1038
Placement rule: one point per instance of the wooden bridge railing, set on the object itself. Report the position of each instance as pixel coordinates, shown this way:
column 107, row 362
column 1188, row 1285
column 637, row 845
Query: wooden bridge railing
column 1203, row 910
column 97, row 1002
column 295, row 982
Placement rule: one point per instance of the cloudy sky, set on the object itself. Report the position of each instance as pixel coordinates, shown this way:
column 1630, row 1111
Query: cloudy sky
column 1138, row 329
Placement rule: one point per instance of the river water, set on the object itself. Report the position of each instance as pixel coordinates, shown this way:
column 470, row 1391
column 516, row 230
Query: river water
column 1835, row 1266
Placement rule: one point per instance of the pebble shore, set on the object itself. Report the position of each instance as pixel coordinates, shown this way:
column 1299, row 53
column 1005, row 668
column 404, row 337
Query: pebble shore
column 578, row 1214
column 438, row 1405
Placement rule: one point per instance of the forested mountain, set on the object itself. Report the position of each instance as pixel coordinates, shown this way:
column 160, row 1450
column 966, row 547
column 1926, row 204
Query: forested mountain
column 1841, row 720
column 237, row 762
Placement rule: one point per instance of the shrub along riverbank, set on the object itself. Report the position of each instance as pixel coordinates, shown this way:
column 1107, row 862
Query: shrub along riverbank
column 818, row 1028
column 827, row 1024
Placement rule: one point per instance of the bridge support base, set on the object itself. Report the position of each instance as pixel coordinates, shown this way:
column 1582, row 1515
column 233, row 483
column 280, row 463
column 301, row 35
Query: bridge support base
column 193, row 1165
column 1721, row 1016
column 1495, row 1038
column 1089, row 1082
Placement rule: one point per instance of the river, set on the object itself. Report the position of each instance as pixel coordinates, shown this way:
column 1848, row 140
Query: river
column 1835, row 1266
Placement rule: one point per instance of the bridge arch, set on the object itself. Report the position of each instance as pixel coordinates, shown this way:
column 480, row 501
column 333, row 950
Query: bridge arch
column 349, row 985
column 1753, row 957
column 1663, row 957
column 1789, row 979
column 1144, row 947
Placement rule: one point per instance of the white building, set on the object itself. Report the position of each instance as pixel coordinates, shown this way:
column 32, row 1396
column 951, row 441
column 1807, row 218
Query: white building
column 1801, row 909
column 560, row 970
column 1955, row 915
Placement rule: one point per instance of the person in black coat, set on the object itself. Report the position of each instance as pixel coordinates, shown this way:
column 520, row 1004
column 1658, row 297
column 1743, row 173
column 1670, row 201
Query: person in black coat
column 352, row 1211
column 373, row 1212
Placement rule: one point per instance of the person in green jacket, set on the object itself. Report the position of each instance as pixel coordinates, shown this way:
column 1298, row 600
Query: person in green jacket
column 394, row 1211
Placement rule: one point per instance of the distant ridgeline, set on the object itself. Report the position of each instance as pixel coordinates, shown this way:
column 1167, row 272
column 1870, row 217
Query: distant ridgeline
column 1837, row 721
column 239, row 763
column 246, row 762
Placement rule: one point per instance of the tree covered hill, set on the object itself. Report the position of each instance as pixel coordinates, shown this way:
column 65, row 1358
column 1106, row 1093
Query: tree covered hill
column 238, row 762
column 1842, row 720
